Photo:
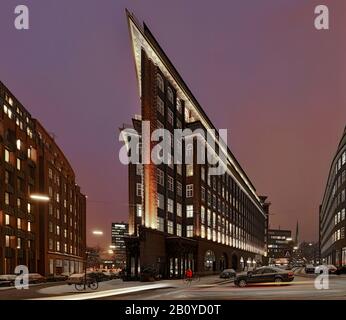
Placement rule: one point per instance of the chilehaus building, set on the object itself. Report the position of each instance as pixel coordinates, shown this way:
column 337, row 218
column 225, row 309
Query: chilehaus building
column 180, row 216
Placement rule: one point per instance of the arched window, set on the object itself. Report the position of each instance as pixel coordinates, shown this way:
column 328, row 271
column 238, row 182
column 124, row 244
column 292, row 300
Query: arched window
column 170, row 95
column 209, row 260
column 160, row 83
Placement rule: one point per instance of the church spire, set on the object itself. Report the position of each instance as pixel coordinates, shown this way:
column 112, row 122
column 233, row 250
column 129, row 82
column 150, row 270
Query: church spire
column 297, row 235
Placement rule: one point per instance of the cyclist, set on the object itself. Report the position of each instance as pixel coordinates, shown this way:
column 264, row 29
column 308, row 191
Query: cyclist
column 188, row 274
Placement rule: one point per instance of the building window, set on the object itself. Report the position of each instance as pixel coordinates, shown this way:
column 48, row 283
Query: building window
column 19, row 144
column 160, row 106
column 170, row 205
column 189, row 211
column 189, row 170
column 19, row 243
column 139, row 190
column 29, row 226
column 170, row 226
column 139, row 169
column 7, row 241
column 58, row 246
column 179, row 230
column 202, row 173
column 179, row 189
column 160, row 224
column 179, row 209
column 7, row 198
column 170, row 95
column 7, row 219
column 7, row 155
column 160, row 201
column 170, row 183
column 189, row 230
column 18, row 164
column 170, row 117
column 189, row 191
column 19, row 223
column 202, row 214
column 160, row 177
column 179, row 171
column 202, row 193
column 58, row 230
column 50, row 226
column 139, row 210
column 160, row 83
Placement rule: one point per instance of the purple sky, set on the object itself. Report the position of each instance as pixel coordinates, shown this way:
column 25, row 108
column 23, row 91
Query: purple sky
column 258, row 68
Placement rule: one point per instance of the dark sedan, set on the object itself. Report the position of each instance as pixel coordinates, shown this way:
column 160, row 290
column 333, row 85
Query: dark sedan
column 228, row 274
column 264, row 274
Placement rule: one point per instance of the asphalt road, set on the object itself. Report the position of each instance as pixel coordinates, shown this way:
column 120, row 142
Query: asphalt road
column 208, row 288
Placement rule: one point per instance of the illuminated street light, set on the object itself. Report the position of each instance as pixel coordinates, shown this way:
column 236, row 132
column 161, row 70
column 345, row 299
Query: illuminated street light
column 310, row 244
column 289, row 239
column 98, row 233
column 112, row 246
column 295, row 248
column 39, row 197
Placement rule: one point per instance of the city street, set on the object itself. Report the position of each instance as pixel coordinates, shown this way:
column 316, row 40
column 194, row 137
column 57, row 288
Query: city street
column 211, row 287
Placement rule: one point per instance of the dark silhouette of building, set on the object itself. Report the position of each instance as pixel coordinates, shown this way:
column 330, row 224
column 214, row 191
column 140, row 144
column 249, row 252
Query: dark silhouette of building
column 332, row 220
column 48, row 237
column 180, row 216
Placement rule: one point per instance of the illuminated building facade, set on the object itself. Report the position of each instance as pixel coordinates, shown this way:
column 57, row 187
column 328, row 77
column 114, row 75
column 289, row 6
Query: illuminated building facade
column 47, row 237
column 180, row 216
column 332, row 220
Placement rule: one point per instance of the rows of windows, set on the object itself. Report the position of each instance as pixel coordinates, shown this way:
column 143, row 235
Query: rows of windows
column 18, row 242
column 338, row 234
column 340, row 216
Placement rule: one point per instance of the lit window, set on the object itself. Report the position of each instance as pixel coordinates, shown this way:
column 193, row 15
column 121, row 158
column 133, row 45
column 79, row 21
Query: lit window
column 189, row 211
column 170, row 226
column 170, row 205
column 189, row 191
column 19, row 243
column 139, row 169
column 18, row 164
column 160, row 201
column 7, row 198
column 7, row 241
column 189, row 170
column 160, row 224
column 29, row 226
column 58, row 230
column 7, row 219
column 189, row 230
column 179, row 211
column 160, row 177
column 19, row 144
column 18, row 203
column 178, row 229
column 139, row 210
column 170, row 183
column 179, row 189
column 19, row 223
column 139, row 190
column 7, row 155
column 58, row 246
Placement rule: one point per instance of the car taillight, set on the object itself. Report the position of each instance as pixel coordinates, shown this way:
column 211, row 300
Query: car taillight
column 290, row 274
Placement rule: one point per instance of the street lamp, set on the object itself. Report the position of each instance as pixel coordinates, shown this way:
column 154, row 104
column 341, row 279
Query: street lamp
column 97, row 233
column 39, row 197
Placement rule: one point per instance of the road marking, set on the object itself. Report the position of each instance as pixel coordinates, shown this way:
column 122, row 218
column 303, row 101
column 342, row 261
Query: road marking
column 106, row 293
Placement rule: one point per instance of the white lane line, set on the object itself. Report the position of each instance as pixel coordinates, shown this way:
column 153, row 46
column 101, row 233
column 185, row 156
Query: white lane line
column 106, row 293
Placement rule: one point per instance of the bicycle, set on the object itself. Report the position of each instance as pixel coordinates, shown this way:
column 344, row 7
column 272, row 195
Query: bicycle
column 90, row 283
column 188, row 280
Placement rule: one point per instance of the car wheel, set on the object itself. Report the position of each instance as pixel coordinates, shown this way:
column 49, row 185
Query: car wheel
column 242, row 283
column 278, row 280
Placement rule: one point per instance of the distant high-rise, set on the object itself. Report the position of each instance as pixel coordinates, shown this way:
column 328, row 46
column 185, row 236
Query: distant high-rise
column 332, row 220
column 119, row 231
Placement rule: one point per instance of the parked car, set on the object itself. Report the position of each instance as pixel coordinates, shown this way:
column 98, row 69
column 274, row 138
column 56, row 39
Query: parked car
column 57, row 277
column 75, row 278
column 36, row 278
column 341, row 270
column 264, row 274
column 331, row 269
column 228, row 274
column 309, row 268
column 7, row 280
column 149, row 274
